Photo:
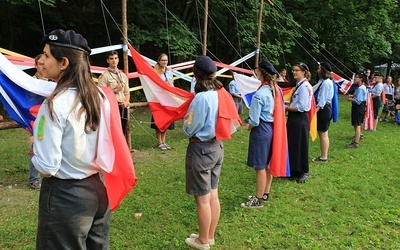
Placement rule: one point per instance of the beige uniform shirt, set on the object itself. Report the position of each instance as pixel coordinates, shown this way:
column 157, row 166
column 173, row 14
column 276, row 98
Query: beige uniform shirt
column 111, row 80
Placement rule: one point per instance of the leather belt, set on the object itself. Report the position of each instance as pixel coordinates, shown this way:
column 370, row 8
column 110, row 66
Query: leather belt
column 195, row 139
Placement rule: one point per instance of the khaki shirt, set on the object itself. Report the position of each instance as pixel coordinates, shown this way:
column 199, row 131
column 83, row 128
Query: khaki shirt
column 111, row 80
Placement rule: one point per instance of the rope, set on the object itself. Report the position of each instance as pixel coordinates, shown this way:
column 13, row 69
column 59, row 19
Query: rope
column 41, row 17
column 105, row 22
column 283, row 13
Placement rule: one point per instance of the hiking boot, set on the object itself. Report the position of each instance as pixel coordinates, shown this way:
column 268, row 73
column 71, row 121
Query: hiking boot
column 303, row 178
column 253, row 203
column 319, row 159
column 353, row 144
column 265, row 197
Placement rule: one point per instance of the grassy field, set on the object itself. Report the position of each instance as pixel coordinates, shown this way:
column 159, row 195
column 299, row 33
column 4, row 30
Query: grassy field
column 351, row 202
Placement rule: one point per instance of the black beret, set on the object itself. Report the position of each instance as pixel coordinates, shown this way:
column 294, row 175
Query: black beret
column 68, row 39
column 268, row 67
column 326, row 66
column 204, row 65
column 303, row 66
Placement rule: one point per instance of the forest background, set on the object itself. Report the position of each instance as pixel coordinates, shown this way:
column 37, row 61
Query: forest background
column 351, row 34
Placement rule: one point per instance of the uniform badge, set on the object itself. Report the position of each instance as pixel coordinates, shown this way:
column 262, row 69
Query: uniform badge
column 40, row 128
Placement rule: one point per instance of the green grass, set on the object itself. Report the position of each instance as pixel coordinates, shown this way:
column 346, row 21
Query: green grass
column 352, row 202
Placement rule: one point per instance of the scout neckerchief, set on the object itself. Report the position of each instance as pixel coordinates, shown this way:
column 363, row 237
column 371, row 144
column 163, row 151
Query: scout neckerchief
column 118, row 73
column 297, row 87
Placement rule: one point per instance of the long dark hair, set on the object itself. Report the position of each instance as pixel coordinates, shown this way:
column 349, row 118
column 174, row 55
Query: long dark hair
column 78, row 75
column 205, row 82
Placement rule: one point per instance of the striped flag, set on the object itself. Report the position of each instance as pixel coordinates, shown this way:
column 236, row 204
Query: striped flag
column 167, row 103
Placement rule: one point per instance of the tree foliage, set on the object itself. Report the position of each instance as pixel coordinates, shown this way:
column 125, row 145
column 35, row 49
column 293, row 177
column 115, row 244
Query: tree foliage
column 350, row 34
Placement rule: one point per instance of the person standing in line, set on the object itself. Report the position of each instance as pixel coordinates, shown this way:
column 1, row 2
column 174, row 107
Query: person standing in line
column 260, row 123
column 74, row 211
column 34, row 176
column 376, row 92
column 237, row 97
column 389, row 94
column 119, row 83
column 298, row 126
column 358, row 102
column 324, row 108
column 204, row 154
column 166, row 75
column 282, row 76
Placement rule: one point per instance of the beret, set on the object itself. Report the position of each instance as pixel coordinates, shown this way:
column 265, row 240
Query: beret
column 205, row 65
column 303, row 66
column 68, row 39
column 268, row 67
column 326, row 66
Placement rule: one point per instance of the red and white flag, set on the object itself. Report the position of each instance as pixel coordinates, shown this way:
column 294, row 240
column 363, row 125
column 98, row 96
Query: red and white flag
column 344, row 85
column 167, row 103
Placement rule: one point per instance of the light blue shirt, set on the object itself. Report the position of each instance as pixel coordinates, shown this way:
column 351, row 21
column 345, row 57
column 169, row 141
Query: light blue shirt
column 201, row 118
column 262, row 106
column 325, row 93
column 167, row 76
column 389, row 90
column 377, row 89
column 232, row 88
column 302, row 96
column 360, row 95
column 65, row 150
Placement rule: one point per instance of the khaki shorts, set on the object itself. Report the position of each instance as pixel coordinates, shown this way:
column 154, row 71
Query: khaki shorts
column 203, row 166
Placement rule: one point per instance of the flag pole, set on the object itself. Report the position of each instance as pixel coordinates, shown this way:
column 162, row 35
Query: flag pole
column 205, row 27
column 126, row 66
column 257, row 57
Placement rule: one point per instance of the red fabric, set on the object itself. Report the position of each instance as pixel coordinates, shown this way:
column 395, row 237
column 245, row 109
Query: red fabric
column 279, row 164
column 122, row 179
column 227, row 114
column 383, row 95
column 163, row 115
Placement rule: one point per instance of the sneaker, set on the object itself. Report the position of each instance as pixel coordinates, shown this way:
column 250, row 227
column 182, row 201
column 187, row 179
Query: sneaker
column 35, row 185
column 352, row 145
column 303, row 178
column 210, row 241
column 253, row 203
column 192, row 242
column 264, row 197
column 319, row 159
column 162, row 147
column 167, row 146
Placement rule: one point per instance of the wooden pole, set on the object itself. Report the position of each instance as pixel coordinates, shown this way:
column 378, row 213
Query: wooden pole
column 126, row 65
column 257, row 57
column 205, row 27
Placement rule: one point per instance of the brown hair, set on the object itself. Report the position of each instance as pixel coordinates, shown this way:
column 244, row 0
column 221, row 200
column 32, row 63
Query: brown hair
column 206, row 82
column 78, row 75
column 157, row 66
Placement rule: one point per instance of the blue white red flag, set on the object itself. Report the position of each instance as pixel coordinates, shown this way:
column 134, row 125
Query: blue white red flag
column 21, row 94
